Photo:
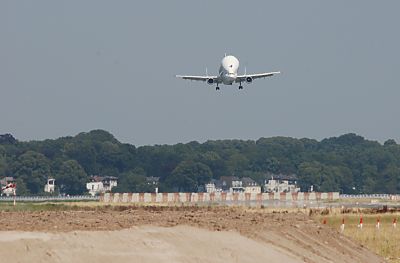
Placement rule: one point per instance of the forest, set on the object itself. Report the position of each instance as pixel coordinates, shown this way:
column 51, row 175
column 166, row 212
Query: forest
column 348, row 164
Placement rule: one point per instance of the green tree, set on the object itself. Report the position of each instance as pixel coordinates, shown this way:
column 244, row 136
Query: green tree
column 71, row 178
column 237, row 163
column 310, row 173
column 21, row 187
column 3, row 167
column 189, row 176
column 133, row 182
column 33, row 169
column 390, row 142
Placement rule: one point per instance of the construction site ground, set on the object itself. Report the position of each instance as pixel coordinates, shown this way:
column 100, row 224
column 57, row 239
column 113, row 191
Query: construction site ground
column 104, row 233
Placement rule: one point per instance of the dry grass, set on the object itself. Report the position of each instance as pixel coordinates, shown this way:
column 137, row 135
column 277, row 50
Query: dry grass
column 384, row 241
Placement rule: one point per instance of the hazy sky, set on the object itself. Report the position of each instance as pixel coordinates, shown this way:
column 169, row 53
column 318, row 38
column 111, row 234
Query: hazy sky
column 73, row 66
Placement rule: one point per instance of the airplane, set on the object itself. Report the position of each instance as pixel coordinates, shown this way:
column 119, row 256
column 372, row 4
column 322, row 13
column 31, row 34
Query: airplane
column 228, row 74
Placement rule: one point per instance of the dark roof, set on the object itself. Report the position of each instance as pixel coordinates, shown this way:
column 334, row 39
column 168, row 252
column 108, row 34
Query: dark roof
column 247, row 181
column 229, row 178
column 226, row 181
column 96, row 178
column 217, row 183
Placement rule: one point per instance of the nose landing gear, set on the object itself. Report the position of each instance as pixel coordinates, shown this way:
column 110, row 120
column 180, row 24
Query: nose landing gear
column 217, row 88
column 240, row 85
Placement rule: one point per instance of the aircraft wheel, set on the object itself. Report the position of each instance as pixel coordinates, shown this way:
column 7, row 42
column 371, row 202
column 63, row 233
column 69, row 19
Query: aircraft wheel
column 240, row 87
column 217, row 88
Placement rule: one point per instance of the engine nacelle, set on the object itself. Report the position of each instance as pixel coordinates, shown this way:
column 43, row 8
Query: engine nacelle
column 210, row 81
column 249, row 79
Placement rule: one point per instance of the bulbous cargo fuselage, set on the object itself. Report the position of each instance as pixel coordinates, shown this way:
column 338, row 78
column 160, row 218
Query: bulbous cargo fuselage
column 228, row 69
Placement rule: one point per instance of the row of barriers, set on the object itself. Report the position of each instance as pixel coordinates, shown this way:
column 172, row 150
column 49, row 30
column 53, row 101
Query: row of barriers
column 214, row 197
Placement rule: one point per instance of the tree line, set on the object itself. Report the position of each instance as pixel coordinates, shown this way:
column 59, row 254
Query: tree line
column 348, row 163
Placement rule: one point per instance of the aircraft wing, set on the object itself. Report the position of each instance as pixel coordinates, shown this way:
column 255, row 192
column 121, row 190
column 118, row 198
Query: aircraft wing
column 199, row 78
column 242, row 78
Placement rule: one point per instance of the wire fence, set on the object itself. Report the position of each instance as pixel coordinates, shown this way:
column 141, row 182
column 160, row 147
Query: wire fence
column 49, row 198
column 368, row 196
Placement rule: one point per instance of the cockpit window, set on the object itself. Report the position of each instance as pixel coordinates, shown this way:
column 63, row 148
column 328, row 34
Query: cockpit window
column 231, row 66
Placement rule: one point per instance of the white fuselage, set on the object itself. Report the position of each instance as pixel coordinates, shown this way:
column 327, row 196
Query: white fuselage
column 228, row 69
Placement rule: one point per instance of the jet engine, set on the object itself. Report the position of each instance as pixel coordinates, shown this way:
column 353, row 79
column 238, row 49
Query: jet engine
column 210, row 81
column 249, row 79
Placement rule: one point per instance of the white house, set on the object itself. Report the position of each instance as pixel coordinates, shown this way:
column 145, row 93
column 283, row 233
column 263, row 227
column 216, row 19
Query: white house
column 99, row 184
column 210, row 187
column 214, row 186
column 50, row 186
column 8, row 186
column 236, row 185
column 233, row 184
column 281, row 183
column 250, row 186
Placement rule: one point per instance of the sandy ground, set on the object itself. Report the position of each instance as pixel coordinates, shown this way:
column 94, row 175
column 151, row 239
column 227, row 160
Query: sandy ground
column 140, row 244
column 173, row 234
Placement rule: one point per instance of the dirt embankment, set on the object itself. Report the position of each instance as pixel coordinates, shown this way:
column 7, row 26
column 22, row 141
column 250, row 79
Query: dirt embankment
column 193, row 234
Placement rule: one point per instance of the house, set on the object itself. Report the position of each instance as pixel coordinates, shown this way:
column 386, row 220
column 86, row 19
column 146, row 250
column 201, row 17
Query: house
column 214, row 186
column 236, row 186
column 210, row 188
column 99, row 184
column 227, row 182
column 278, row 183
column 50, row 186
column 250, row 186
column 233, row 184
column 224, row 184
column 8, row 186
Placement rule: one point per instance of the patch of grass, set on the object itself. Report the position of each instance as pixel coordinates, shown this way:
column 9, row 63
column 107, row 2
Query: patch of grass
column 29, row 206
column 384, row 241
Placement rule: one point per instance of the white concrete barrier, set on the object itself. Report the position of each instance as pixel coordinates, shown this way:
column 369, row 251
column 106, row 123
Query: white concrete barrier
column 125, row 197
column 171, row 197
column 159, row 198
column 147, row 197
column 106, row 198
column 228, row 198
column 135, row 198
column 312, row 196
column 116, row 198
column 183, row 198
